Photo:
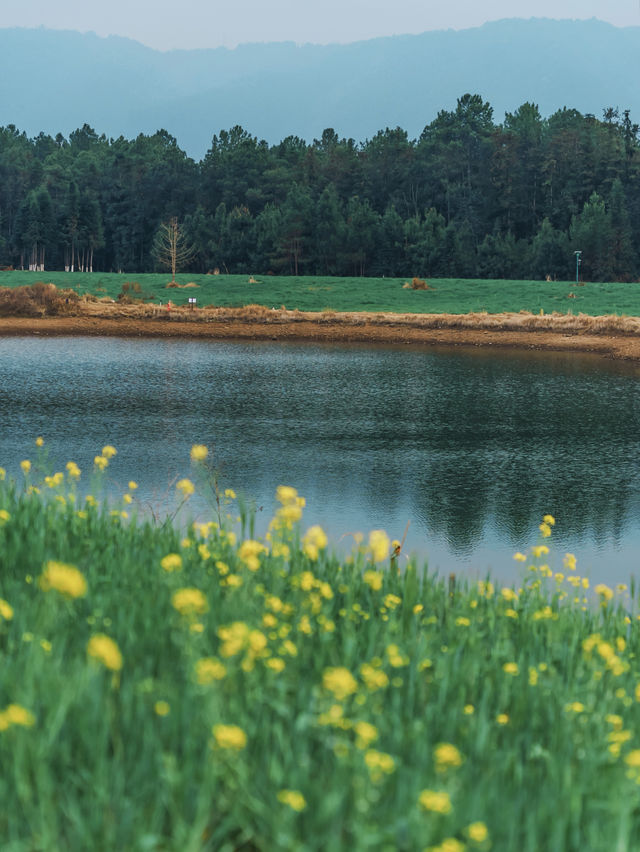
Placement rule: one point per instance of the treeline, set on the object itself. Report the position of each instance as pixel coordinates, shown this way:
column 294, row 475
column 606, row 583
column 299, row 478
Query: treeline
column 468, row 198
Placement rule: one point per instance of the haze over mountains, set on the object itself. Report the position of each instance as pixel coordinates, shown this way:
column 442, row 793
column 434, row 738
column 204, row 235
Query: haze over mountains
column 54, row 81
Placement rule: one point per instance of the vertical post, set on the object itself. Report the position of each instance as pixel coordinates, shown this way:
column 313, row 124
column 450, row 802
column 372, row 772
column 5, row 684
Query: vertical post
column 578, row 262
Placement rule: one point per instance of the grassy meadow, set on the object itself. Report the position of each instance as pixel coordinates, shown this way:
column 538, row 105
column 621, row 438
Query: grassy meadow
column 314, row 293
column 189, row 687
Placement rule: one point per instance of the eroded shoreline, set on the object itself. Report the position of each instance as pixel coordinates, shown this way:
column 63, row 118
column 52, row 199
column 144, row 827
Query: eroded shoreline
column 613, row 337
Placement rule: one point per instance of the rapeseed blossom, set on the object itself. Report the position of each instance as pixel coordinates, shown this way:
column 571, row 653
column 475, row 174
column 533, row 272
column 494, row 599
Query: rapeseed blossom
column 477, row 832
column 313, row 541
column 65, row 579
column 100, row 462
column 379, row 545
column 379, row 763
column 25, row 464
column 449, row 844
column 16, row 714
column 103, row 649
column 293, row 798
column 209, row 669
column 162, row 708
column 4, row 517
column 185, row 487
column 229, row 737
column 447, row 756
column 171, row 562
column 366, row 733
column 199, row 452
column 189, row 601
column 109, row 452
column 73, row 470
column 249, row 551
column 6, row 610
column 339, row 681
column 437, row 801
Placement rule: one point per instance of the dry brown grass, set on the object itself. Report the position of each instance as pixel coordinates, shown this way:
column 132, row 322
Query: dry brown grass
column 37, row 300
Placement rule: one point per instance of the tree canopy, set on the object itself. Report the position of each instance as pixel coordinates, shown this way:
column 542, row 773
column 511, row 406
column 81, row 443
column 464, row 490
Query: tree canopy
column 468, row 198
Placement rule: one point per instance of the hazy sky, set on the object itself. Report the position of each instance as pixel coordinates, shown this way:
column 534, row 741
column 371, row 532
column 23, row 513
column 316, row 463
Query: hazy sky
column 166, row 24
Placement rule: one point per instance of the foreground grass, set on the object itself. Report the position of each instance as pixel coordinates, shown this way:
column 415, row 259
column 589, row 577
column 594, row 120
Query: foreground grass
column 203, row 691
column 316, row 293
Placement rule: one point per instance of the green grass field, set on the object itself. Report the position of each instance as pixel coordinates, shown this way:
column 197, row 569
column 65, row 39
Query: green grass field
column 198, row 690
column 356, row 294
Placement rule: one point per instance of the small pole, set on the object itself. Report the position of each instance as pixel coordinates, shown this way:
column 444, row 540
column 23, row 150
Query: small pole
column 578, row 262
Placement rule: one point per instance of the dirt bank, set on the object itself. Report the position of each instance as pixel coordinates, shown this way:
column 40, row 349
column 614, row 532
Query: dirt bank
column 616, row 337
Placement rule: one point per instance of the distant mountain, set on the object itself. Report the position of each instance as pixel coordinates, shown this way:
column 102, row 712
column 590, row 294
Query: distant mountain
column 55, row 81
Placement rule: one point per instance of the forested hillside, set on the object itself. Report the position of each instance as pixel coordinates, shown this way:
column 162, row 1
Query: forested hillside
column 468, row 198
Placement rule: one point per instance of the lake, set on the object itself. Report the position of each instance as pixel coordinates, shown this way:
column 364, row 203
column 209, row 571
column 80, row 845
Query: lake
column 471, row 446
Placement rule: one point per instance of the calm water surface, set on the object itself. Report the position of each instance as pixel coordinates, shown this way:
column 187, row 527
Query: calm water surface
column 472, row 447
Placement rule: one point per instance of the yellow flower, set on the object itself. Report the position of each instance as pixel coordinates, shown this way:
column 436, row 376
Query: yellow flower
column 39, row 441
column 462, row 621
column 248, row 553
column 103, row 649
column 373, row 579
column 519, row 557
column 510, row 668
column 100, row 462
column 3, row 474
column 185, row 487
column 379, row 763
column 633, row 758
column 540, row 550
column 230, row 494
column 199, row 452
column 234, row 638
column 15, row 714
column 209, row 669
column 477, row 832
column 375, row 678
column 449, row 844
column 189, row 602
column 276, row 664
column 4, row 517
column 293, row 798
column 549, row 519
column 162, row 708
column 109, row 452
column 366, row 733
column 73, row 470
column 229, row 737
column 171, row 562
column 6, row 610
column 339, row 681
column 446, row 757
column 604, row 592
column 65, row 579
column 26, row 466
column 313, row 541
column 575, row 707
column 437, row 801
column 502, row 719
column 468, row 709
column 286, row 495
column 379, row 545
column 132, row 485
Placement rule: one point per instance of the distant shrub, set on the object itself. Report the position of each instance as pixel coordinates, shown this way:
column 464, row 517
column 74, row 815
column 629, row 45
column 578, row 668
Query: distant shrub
column 36, row 300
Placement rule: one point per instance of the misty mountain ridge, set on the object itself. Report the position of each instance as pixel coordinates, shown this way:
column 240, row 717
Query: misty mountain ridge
column 56, row 80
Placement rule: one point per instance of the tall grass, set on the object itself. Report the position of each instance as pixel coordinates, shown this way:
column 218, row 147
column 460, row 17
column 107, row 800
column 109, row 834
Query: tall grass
column 205, row 691
column 321, row 293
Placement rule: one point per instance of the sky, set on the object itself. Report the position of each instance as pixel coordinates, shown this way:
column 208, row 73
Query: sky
column 167, row 24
